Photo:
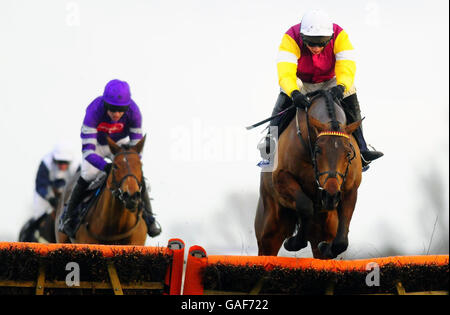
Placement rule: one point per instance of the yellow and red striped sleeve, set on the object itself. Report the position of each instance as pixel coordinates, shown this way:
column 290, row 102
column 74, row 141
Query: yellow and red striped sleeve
column 345, row 67
column 287, row 59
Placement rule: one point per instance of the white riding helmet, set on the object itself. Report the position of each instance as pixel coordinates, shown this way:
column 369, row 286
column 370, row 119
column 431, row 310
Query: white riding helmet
column 62, row 152
column 316, row 23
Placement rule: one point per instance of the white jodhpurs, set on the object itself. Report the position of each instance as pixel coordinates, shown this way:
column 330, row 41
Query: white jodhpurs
column 306, row 88
column 40, row 206
column 90, row 172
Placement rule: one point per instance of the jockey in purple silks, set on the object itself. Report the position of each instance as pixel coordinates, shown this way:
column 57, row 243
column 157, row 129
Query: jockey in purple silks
column 114, row 114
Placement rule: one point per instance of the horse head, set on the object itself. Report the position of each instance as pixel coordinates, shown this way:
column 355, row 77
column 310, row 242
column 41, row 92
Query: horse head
column 332, row 156
column 126, row 177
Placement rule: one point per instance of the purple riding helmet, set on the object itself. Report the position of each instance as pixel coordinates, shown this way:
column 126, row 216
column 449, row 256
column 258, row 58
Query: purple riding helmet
column 117, row 93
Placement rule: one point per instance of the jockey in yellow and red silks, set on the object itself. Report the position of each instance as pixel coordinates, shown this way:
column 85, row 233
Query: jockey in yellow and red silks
column 317, row 54
column 331, row 57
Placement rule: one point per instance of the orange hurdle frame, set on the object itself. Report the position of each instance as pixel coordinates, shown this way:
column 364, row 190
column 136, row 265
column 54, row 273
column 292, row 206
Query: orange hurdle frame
column 198, row 260
column 172, row 280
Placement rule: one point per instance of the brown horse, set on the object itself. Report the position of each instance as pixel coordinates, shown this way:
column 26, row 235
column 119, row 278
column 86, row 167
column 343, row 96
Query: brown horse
column 116, row 216
column 313, row 188
column 41, row 230
column 45, row 229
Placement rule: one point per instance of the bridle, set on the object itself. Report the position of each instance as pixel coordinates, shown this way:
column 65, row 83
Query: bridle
column 116, row 188
column 332, row 174
column 313, row 152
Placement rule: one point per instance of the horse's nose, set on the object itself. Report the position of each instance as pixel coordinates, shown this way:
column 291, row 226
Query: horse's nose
column 136, row 196
column 330, row 201
column 131, row 201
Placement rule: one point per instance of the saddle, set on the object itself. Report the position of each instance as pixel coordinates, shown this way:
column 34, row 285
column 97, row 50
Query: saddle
column 287, row 117
column 285, row 120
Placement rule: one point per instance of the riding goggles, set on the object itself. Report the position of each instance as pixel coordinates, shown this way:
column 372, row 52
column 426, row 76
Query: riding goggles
column 316, row 41
column 61, row 162
column 115, row 108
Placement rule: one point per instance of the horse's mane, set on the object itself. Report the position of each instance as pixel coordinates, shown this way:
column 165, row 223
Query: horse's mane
column 126, row 146
column 329, row 103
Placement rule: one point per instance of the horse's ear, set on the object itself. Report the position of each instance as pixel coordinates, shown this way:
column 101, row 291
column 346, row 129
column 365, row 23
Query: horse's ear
column 320, row 126
column 140, row 145
column 112, row 145
column 349, row 129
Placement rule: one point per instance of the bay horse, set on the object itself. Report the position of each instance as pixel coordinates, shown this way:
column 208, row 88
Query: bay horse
column 116, row 216
column 43, row 228
column 312, row 190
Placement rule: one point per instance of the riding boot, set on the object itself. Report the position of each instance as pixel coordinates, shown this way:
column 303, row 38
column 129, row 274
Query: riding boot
column 70, row 220
column 27, row 232
column 353, row 113
column 267, row 144
column 153, row 227
column 367, row 155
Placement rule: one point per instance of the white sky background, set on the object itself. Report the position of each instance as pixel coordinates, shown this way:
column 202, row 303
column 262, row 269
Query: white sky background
column 203, row 70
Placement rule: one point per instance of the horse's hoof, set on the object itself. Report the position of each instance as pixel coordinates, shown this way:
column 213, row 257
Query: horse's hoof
column 339, row 247
column 325, row 250
column 293, row 245
column 323, row 246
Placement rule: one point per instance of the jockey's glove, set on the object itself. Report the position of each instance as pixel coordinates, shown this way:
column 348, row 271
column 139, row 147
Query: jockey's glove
column 299, row 99
column 107, row 168
column 338, row 92
column 53, row 201
column 58, row 183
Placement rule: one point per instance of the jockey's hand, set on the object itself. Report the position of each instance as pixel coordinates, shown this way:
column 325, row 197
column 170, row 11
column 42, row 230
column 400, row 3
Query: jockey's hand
column 53, row 201
column 107, row 168
column 58, row 183
column 299, row 99
column 337, row 92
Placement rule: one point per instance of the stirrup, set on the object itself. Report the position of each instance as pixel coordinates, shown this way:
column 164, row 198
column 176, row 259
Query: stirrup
column 374, row 154
column 364, row 161
column 375, row 150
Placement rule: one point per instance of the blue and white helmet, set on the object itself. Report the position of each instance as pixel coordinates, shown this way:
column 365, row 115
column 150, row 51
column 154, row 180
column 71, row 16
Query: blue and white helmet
column 62, row 152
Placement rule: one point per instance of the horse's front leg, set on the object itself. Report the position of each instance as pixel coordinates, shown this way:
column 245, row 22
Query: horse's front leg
column 291, row 196
column 345, row 212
